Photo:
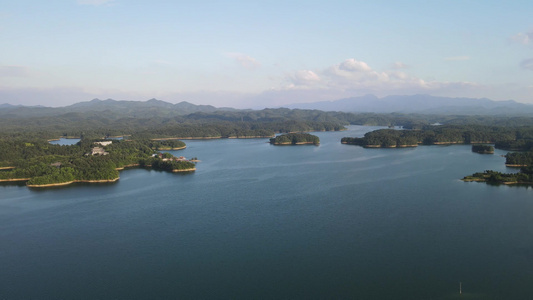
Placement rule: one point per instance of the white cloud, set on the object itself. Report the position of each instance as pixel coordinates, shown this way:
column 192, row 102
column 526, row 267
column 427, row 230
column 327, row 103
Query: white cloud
column 245, row 61
column 94, row 2
column 457, row 58
column 357, row 77
column 304, row 78
column 353, row 65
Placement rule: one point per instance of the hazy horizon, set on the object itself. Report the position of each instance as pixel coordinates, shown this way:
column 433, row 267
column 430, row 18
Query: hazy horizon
column 251, row 54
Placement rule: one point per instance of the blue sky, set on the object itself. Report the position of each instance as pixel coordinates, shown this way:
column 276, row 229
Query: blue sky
column 263, row 53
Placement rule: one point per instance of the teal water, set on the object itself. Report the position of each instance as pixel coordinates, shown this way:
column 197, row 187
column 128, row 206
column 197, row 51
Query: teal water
column 275, row 222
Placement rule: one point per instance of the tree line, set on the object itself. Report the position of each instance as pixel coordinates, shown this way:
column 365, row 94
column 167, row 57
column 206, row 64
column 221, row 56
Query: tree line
column 515, row 138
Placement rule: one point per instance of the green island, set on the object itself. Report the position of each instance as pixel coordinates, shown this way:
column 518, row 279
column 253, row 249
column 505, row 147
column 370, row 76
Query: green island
column 507, row 137
column 522, row 160
column 444, row 135
column 483, row 149
column 165, row 145
column 295, row 139
column 41, row 164
column 525, row 176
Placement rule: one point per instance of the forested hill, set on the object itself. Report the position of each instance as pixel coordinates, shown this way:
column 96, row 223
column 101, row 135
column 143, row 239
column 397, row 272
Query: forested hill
column 159, row 119
column 152, row 107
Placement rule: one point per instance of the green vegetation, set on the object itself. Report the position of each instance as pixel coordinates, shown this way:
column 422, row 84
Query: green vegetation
column 219, row 124
column 40, row 163
column 388, row 138
column 483, row 149
column 504, row 137
column 155, row 125
column 295, row 139
column 525, row 176
column 445, row 134
column 519, row 159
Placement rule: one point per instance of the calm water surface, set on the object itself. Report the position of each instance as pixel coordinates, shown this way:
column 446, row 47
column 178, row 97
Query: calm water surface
column 271, row 222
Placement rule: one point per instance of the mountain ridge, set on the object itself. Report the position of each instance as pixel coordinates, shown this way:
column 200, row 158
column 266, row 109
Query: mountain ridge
column 420, row 103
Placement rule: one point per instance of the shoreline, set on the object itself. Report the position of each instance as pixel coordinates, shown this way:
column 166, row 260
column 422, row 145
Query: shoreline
column 183, row 170
column 127, row 166
column 73, row 181
column 296, row 144
column 64, row 137
column 212, row 138
column 170, row 148
column 497, row 182
column 395, row 146
column 14, row 179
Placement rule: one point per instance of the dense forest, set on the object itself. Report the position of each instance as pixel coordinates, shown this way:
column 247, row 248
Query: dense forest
column 42, row 163
column 295, row 139
column 157, row 119
column 483, row 149
column 504, row 137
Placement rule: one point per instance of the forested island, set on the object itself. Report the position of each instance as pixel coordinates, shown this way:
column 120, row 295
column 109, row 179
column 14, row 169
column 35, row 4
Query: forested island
column 42, row 164
column 502, row 136
column 516, row 138
column 295, row 139
column 525, row 176
column 483, row 149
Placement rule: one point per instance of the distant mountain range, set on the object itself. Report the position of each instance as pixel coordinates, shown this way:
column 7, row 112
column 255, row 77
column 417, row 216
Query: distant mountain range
column 144, row 109
column 422, row 104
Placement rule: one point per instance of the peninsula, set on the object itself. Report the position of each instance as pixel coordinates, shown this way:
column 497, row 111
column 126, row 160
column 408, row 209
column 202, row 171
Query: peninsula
column 41, row 164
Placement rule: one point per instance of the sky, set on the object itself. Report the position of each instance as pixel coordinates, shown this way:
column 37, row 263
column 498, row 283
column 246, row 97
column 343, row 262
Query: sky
column 263, row 53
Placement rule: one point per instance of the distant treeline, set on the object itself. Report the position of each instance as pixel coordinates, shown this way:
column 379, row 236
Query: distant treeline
column 511, row 138
column 147, row 122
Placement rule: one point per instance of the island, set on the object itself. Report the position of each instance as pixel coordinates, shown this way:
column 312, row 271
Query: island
column 295, row 139
column 438, row 135
column 41, row 164
column 525, row 176
column 516, row 138
column 483, row 149
column 384, row 138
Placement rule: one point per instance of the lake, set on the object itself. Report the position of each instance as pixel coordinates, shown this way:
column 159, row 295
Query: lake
column 276, row 222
